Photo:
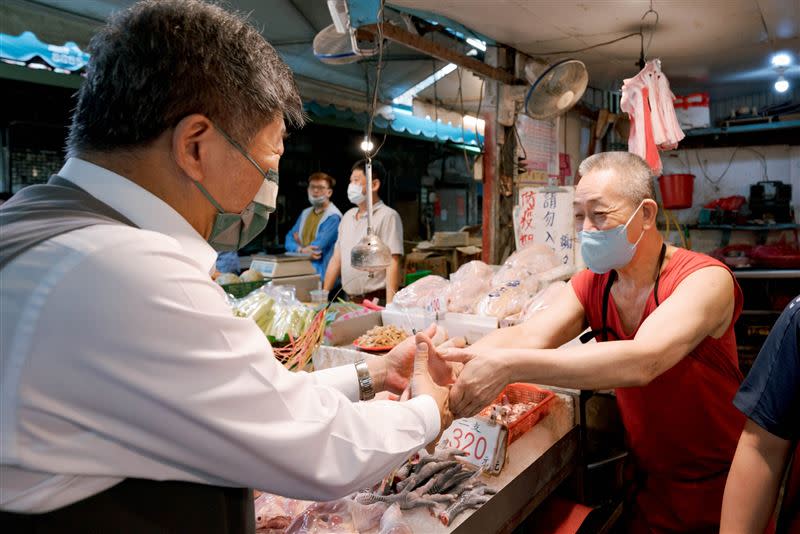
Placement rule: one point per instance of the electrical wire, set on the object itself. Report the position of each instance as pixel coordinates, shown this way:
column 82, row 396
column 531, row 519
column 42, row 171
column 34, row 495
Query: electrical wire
column 716, row 181
column 378, row 68
column 591, row 47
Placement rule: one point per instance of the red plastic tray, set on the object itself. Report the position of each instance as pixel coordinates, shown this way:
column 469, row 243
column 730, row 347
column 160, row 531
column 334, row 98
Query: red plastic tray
column 526, row 393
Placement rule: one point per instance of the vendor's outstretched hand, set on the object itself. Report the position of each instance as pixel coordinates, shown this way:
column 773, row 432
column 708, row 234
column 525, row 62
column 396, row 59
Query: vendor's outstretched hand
column 400, row 363
column 480, row 381
column 423, row 384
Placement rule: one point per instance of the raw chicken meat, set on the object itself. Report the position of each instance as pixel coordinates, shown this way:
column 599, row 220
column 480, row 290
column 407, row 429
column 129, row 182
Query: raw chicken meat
column 468, row 285
column 392, row 522
column 524, row 266
column 276, row 512
column 427, row 293
column 324, row 518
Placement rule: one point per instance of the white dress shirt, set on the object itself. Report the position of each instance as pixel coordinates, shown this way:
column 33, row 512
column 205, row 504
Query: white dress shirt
column 121, row 358
column 387, row 224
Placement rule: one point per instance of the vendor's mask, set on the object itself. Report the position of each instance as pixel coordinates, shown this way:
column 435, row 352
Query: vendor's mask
column 604, row 250
column 232, row 231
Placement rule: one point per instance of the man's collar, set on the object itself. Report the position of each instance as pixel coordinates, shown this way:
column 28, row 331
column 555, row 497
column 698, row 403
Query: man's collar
column 139, row 205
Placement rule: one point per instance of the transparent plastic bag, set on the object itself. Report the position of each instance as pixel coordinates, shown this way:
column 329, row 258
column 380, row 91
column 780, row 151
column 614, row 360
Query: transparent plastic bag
column 468, row 285
column 426, row 293
column 324, row 518
column 503, row 301
column 542, row 300
column 274, row 512
column 525, row 265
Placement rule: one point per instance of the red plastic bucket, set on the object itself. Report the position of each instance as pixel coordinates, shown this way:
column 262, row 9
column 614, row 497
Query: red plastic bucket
column 676, row 190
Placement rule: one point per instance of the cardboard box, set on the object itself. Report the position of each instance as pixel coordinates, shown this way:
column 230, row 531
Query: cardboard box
column 426, row 261
column 470, row 327
column 450, row 239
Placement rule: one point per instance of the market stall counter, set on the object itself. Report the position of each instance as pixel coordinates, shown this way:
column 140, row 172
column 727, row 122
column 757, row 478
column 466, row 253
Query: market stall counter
column 536, row 464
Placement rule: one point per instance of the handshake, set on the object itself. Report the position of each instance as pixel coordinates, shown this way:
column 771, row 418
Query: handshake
column 461, row 381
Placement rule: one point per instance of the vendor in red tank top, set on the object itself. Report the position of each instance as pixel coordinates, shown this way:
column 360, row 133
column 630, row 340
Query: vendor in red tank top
column 664, row 318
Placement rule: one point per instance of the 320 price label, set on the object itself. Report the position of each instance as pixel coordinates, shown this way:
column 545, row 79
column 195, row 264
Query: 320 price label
column 481, row 440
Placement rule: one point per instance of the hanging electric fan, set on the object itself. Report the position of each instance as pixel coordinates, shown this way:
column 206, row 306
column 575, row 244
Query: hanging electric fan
column 337, row 44
column 555, row 88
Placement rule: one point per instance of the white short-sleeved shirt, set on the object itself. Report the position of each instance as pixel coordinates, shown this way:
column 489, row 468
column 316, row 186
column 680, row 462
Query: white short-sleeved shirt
column 387, row 225
column 121, row 358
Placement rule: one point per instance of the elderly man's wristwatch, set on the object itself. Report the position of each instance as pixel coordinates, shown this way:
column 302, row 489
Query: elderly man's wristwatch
column 366, row 388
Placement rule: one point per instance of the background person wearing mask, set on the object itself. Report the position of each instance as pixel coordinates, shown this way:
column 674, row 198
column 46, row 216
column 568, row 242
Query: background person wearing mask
column 387, row 225
column 315, row 231
column 132, row 399
column 664, row 317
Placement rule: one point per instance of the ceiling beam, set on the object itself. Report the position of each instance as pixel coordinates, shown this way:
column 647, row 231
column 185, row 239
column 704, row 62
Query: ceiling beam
column 426, row 46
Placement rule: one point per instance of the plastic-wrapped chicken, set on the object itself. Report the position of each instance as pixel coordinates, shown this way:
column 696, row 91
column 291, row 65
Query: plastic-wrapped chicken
column 542, row 299
column 525, row 265
column 392, row 522
column 468, row 285
column 428, row 293
column 274, row 512
column 367, row 516
column 500, row 302
column 324, row 518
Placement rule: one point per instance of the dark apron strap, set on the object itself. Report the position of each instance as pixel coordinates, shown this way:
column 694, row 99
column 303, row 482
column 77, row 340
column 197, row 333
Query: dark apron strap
column 137, row 506
column 605, row 329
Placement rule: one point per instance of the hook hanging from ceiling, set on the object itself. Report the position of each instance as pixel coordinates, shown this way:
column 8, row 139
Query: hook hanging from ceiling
column 642, row 50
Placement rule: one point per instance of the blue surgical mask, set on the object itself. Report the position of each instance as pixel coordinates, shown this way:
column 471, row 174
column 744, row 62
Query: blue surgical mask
column 604, row 250
column 232, row 231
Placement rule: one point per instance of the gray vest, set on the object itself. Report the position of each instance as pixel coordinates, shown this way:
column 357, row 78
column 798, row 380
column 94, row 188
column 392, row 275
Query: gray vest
column 36, row 214
column 40, row 212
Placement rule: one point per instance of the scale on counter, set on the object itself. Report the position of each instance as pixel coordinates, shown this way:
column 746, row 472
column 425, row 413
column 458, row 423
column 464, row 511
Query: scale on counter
column 288, row 270
column 283, row 265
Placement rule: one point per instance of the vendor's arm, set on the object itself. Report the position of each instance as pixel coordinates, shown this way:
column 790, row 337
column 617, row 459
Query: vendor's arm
column 291, row 243
column 190, row 392
column 334, row 269
column 393, row 278
column 562, row 321
column 701, row 306
column 754, row 480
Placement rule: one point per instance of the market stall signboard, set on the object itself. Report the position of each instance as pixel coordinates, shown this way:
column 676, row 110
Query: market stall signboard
column 545, row 216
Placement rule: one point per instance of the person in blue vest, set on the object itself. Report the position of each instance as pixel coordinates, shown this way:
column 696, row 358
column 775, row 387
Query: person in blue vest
column 315, row 231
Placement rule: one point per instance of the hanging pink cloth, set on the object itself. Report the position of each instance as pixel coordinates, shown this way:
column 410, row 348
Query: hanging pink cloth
column 647, row 99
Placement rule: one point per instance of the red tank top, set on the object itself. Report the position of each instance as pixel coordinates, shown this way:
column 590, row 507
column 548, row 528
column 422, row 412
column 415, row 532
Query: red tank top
column 682, row 428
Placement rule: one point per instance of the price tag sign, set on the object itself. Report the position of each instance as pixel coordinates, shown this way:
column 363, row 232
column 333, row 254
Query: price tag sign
column 483, row 441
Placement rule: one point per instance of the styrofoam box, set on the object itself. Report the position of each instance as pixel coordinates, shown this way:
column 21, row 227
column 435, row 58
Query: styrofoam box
column 415, row 320
column 470, row 327
column 326, row 357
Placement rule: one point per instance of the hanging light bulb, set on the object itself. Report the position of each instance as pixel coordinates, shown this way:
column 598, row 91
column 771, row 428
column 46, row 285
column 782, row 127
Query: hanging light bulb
column 781, row 84
column 367, row 145
column 370, row 254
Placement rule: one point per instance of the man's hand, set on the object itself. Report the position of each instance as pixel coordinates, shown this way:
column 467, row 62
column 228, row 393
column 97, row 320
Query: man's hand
column 422, row 383
column 400, row 364
column 480, row 381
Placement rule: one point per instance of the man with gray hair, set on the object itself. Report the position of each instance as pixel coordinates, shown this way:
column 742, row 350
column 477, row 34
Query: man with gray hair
column 664, row 318
column 133, row 400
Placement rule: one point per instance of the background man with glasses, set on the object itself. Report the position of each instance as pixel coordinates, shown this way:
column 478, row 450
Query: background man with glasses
column 317, row 228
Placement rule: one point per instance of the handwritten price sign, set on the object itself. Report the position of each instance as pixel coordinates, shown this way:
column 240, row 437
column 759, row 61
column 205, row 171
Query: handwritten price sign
column 483, row 442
